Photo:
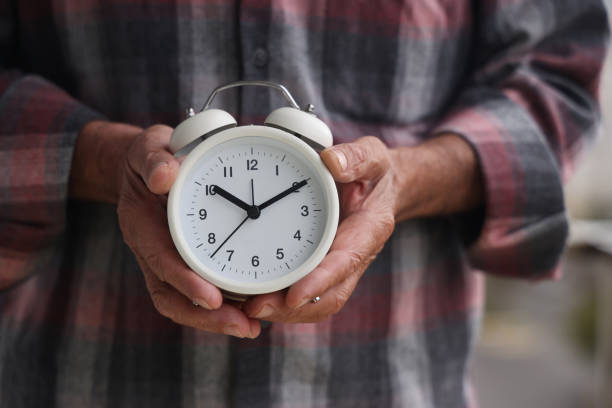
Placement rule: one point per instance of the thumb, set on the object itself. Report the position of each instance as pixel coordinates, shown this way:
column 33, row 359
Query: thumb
column 152, row 160
column 365, row 159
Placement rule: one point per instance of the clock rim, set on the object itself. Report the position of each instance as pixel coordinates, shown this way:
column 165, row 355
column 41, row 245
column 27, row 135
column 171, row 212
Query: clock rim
column 215, row 277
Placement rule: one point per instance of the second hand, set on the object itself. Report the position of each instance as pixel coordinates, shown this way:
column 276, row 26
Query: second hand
column 230, row 235
column 239, row 225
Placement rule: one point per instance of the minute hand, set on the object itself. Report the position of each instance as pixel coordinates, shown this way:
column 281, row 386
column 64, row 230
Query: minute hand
column 283, row 194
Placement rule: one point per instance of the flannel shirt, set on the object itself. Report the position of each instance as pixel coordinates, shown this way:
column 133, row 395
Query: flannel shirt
column 516, row 78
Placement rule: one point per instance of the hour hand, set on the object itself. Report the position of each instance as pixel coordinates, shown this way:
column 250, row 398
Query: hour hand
column 231, row 198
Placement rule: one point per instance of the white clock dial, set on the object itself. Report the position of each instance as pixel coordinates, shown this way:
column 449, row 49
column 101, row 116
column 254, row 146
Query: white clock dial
column 240, row 223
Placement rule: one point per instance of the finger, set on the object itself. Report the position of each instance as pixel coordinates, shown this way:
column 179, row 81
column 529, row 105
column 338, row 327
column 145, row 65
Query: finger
column 272, row 307
column 359, row 238
column 143, row 223
column 171, row 304
column 266, row 305
column 151, row 159
column 365, row 159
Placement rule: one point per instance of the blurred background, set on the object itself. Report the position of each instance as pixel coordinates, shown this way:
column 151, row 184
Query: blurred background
column 549, row 344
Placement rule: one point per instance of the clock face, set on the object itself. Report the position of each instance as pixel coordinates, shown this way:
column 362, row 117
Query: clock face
column 252, row 211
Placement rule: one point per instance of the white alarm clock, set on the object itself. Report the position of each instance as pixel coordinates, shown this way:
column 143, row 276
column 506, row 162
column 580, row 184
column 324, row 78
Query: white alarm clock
column 253, row 209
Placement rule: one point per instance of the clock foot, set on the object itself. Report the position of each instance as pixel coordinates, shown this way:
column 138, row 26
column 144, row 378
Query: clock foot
column 234, row 296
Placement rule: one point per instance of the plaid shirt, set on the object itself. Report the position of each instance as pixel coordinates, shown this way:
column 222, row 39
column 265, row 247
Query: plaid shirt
column 516, row 78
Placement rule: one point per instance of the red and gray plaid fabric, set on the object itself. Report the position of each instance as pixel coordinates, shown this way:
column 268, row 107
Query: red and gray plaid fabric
column 516, row 78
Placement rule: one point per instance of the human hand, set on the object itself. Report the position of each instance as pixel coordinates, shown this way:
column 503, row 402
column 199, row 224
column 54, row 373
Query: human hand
column 368, row 195
column 148, row 172
column 379, row 186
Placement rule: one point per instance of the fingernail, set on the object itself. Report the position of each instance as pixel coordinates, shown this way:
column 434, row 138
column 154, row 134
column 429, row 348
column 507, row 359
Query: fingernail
column 149, row 180
column 202, row 303
column 254, row 333
column 341, row 158
column 265, row 311
column 158, row 165
column 303, row 302
column 233, row 331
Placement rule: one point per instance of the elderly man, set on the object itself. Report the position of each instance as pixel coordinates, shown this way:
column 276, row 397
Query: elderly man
column 455, row 123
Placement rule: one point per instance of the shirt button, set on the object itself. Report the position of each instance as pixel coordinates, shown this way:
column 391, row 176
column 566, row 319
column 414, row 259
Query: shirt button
column 260, row 58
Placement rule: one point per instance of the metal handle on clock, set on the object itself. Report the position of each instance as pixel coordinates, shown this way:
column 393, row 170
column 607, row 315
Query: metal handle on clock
column 267, row 84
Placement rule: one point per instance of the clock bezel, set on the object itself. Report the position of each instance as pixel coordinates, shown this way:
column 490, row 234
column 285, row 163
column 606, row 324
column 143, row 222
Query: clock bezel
column 217, row 277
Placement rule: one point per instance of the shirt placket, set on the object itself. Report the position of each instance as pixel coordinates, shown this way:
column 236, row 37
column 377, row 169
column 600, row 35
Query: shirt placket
column 254, row 25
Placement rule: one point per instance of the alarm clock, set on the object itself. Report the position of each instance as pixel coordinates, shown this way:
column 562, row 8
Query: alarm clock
column 253, row 208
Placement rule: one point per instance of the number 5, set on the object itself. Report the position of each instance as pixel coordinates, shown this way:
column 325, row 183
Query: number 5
column 279, row 253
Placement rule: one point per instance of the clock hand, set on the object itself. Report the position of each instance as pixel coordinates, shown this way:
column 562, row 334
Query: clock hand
column 229, row 236
column 283, row 194
column 252, row 193
column 232, row 198
column 252, row 210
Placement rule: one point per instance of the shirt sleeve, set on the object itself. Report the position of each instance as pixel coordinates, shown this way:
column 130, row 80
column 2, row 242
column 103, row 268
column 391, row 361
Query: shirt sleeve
column 529, row 108
column 39, row 123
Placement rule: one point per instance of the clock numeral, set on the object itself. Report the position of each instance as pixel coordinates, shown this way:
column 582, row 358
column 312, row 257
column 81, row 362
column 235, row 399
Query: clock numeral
column 228, row 173
column 277, row 169
column 297, row 235
column 231, row 253
column 210, row 189
column 211, row 238
column 304, row 210
column 279, row 253
column 295, row 183
column 203, row 214
column 255, row 260
column 252, row 164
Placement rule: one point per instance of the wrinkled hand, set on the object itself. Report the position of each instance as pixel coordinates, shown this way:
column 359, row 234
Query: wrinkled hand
column 378, row 186
column 148, row 173
column 368, row 196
